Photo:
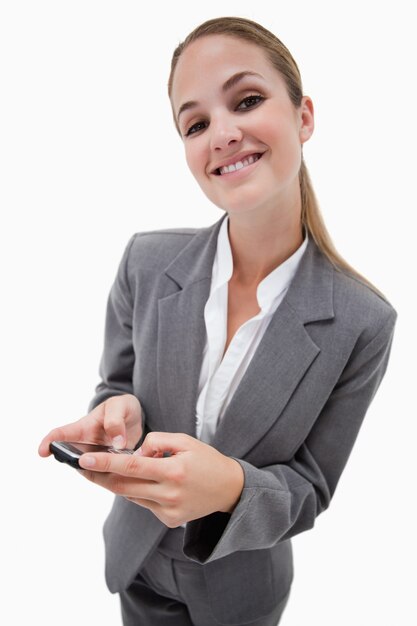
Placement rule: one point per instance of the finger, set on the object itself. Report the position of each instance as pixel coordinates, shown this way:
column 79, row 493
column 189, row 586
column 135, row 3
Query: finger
column 157, row 444
column 168, row 517
column 114, row 422
column 129, row 465
column 123, row 486
column 145, row 502
column 156, row 508
column 70, row 432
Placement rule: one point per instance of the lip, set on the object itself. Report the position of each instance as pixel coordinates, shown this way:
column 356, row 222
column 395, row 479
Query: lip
column 234, row 159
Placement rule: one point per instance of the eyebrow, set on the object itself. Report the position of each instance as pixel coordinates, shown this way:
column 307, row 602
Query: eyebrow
column 229, row 84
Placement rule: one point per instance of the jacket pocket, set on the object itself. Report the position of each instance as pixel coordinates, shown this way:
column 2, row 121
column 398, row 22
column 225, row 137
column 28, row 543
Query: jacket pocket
column 248, row 585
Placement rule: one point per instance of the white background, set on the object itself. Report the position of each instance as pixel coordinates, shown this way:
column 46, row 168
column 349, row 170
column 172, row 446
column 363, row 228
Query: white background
column 89, row 155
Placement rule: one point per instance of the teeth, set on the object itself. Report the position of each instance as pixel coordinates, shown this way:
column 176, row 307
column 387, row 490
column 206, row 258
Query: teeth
column 226, row 169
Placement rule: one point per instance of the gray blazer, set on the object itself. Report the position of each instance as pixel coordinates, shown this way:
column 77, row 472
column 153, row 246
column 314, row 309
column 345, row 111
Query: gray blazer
column 291, row 423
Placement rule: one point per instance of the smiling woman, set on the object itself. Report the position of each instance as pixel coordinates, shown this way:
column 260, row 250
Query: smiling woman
column 239, row 359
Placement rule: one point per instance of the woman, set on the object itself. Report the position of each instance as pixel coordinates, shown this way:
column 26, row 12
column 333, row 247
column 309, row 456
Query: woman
column 239, row 359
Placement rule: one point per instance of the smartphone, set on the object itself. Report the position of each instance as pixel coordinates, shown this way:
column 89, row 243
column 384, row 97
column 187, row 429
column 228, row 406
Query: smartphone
column 70, row 451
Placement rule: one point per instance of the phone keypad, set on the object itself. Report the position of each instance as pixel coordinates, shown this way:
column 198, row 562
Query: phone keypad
column 121, row 451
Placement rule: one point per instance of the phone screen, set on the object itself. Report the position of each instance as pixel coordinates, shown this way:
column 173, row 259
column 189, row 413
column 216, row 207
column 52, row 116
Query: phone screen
column 70, row 451
column 86, row 447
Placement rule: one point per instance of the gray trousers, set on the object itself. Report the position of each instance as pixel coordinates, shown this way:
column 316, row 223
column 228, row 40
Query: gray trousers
column 171, row 590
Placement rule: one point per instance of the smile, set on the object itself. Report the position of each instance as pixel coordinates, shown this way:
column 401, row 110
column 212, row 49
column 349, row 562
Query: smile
column 233, row 167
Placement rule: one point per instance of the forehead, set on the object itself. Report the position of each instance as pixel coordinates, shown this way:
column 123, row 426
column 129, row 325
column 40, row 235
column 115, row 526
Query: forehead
column 210, row 60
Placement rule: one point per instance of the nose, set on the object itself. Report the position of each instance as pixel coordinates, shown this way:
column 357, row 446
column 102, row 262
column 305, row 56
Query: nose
column 224, row 131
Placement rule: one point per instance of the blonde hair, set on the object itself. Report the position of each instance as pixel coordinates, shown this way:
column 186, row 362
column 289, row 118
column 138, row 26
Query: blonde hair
column 281, row 58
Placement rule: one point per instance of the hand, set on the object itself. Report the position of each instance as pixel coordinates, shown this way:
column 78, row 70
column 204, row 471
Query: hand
column 193, row 482
column 116, row 422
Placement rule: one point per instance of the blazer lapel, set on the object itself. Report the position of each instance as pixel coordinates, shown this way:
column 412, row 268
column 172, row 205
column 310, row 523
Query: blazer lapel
column 282, row 358
column 182, row 333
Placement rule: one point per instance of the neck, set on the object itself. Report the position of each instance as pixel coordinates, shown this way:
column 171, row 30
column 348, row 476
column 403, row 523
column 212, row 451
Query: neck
column 260, row 245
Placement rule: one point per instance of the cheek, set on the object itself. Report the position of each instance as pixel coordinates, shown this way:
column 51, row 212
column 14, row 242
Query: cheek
column 194, row 159
column 285, row 145
column 277, row 131
column 189, row 160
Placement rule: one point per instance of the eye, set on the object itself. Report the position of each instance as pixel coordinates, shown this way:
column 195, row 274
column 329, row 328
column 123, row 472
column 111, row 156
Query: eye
column 195, row 128
column 250, row 101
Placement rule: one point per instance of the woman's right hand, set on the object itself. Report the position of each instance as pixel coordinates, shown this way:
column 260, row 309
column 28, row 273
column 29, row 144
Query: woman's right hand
column 116, row 421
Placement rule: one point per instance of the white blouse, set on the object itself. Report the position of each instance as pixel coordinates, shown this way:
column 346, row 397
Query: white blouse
column 220, row 377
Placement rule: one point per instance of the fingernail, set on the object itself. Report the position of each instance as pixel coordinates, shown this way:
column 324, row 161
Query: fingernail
column 118, row 442
column 89, row 461
column 139, row 452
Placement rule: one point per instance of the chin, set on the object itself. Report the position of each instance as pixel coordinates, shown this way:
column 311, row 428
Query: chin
column 241, row 206
column 245, row 198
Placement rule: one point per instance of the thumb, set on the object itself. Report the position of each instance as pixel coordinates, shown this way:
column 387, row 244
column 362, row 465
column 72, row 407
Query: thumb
column 114, row 425
column 158, row 444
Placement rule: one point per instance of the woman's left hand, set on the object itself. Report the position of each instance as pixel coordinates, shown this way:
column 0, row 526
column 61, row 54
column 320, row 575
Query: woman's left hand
column 194, row 481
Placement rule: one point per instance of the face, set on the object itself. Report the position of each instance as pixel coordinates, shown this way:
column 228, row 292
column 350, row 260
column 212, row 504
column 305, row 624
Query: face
column 242, row 134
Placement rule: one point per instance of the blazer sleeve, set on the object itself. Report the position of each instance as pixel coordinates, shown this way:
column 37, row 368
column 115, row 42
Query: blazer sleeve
column 282, row 500
column 118, row 356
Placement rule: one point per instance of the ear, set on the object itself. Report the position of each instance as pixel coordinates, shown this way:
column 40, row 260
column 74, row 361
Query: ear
column 306, row 112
